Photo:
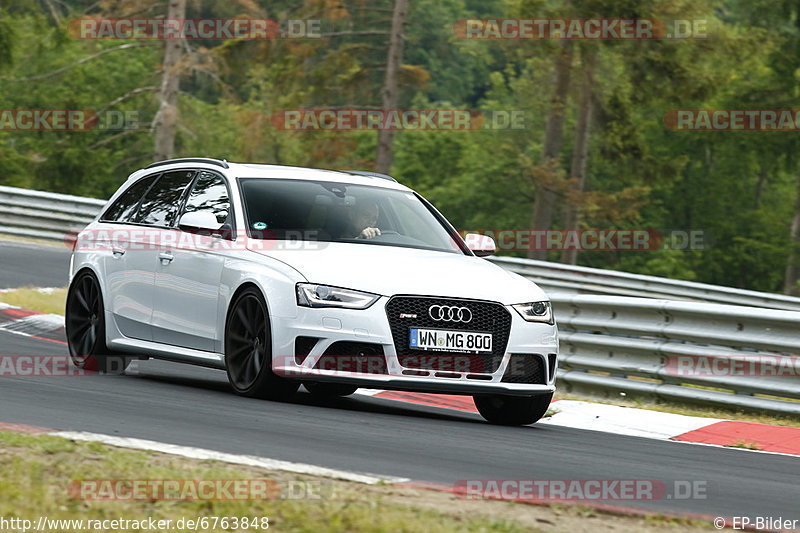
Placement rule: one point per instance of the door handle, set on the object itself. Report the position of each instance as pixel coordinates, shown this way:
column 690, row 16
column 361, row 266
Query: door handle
column 166, row 258
column 118, row 253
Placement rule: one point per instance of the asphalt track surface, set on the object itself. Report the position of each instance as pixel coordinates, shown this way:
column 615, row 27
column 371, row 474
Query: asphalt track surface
column 193, row 406
column 24, row 264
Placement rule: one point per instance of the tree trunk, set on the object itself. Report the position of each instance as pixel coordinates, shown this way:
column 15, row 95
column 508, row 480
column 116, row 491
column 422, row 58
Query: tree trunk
column 389, row 95
column 544, row 203
column 166, row 121
column 580, row 155
column 790, row 285
column 763, row 174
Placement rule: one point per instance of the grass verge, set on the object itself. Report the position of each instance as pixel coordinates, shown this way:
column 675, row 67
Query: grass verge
column 37, row 471
column 34, row 299
column 31, row 240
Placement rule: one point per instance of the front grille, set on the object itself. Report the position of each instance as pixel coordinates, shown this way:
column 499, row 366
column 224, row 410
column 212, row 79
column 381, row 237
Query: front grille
column 525, row 368
column 488, row 317
column 346, row 356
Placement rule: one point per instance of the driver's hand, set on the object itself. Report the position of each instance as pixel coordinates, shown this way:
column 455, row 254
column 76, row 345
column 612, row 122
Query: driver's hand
column 368, row 233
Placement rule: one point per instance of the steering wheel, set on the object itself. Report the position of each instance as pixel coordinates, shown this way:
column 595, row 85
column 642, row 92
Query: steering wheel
column 377, row 237
column 380, row 237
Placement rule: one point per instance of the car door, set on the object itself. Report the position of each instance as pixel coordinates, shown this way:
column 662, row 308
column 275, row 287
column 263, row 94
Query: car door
column 129, row 286
column 156, row 213
column 187, row 283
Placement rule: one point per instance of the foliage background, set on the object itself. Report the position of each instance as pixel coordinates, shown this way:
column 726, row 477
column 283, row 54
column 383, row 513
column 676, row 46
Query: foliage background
column 739, row 188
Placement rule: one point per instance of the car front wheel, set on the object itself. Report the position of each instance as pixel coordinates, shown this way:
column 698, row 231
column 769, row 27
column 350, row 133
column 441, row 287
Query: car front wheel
column 248, row 350
column 512, row 410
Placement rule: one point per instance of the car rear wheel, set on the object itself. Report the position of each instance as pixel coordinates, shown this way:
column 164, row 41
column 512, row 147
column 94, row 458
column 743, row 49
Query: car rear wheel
column 330, row 389
column 248, row 350
column 86, row 327
column 512, row 410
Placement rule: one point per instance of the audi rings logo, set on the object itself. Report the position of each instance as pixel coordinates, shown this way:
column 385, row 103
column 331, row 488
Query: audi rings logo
column 448, row 313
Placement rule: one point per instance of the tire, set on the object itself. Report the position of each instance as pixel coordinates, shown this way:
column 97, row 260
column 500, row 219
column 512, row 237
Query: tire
column 86, row 328
column 248, row 350
column 330, row 389
column 512, row 410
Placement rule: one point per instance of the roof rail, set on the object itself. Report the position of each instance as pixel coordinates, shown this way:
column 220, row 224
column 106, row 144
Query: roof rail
column 370, row 174
column 209, row 160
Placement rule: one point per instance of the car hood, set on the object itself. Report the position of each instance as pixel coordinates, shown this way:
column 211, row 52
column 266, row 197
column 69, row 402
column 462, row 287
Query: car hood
column 390, row 270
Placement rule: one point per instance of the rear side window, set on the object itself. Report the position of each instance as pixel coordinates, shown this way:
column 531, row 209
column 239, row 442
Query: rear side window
column 125, row 206
column 161, row 204
column 209, row 194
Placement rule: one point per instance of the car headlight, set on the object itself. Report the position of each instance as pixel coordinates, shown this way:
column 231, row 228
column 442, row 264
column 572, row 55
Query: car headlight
column 535, row 311
column 313, row 295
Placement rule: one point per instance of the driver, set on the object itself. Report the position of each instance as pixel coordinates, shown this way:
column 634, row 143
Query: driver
column 364, row 219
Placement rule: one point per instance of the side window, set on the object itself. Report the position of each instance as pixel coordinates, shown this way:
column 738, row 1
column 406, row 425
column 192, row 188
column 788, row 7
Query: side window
column 160, row 205
column 209, row 194
column 125, row 206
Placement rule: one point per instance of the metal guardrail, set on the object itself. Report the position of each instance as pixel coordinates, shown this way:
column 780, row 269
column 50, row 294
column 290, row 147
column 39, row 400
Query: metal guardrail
column 620, row 332
column 569, row 279
column 704, row 353
column 49, row 216
column 44, row 215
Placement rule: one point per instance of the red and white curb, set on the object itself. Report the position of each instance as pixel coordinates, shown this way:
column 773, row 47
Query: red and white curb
column 566, row 413
column 32, row 324
column 634, row 422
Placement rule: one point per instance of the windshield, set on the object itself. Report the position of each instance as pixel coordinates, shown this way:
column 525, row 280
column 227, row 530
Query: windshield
column 341, row 212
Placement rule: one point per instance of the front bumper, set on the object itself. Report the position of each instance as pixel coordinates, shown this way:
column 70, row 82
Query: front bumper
column 371, row 326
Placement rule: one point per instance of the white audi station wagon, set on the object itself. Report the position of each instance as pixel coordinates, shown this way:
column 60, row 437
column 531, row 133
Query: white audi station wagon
column 283, row 276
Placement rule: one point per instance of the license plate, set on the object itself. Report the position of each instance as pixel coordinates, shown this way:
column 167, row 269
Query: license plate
column 449, row 340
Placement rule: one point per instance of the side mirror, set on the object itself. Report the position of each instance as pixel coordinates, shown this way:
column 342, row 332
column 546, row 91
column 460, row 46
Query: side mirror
column 481, row 245
column 199, row 221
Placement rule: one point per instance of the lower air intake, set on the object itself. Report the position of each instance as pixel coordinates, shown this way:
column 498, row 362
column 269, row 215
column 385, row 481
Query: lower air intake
column 361, row 357
column 525, row 368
